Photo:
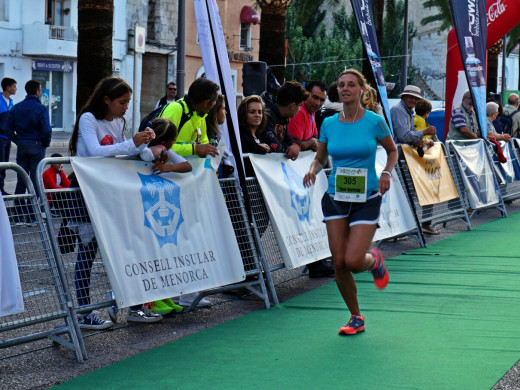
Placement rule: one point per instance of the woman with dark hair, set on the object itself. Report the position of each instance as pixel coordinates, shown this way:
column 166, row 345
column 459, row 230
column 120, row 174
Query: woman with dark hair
column 100, row 131
column 252, row 121
column 352, row 202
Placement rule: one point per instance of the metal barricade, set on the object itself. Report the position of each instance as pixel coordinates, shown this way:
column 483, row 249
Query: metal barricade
column 48, row 304
column 509, row 188
column 69, row 226
column 443, row 212
column 458, row 163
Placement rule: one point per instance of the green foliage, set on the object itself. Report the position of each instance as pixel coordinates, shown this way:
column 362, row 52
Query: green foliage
column 328, row 52
column 444, row 16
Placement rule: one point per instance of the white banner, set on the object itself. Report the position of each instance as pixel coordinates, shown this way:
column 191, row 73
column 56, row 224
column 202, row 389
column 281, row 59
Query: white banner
column 208, row 21
column 396, row 214
column 159, row 235
column 11, row 298
column 477, row 173
column 294, row 210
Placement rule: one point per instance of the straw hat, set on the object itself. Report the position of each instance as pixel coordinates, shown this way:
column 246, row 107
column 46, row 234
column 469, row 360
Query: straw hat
column 412, row 90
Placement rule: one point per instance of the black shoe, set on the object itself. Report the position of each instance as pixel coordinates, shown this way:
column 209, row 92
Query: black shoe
column 320, row 269
column 4, row 193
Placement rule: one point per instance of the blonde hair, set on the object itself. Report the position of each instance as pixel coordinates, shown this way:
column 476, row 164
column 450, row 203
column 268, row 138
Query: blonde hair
column 369, row 99
column 361, row 79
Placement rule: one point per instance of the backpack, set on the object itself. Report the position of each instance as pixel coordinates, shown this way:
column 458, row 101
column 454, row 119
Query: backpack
column 504, row 124
column 147, row 120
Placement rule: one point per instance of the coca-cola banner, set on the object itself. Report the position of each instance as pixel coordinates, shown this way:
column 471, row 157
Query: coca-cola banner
column 363, row 11
column 502, row 16
column 469, row 18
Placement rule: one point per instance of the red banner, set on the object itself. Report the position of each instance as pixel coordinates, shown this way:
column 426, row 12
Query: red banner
column 502, row 16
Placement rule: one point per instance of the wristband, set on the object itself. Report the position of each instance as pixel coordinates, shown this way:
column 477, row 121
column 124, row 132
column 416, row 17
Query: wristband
column 299, row 146
column 194, row 148
column 387, row 172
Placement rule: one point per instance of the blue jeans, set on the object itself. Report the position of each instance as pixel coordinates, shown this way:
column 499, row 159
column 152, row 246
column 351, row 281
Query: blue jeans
column 86, row 256
column 5, row 148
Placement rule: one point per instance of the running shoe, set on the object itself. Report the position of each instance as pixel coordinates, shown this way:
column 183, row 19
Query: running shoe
column 144, row 315
column 356, row 324
column 173, row 305
column 379, row 271
column 159, row 307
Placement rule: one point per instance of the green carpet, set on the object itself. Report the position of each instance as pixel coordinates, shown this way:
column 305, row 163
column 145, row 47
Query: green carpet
column 449, row 319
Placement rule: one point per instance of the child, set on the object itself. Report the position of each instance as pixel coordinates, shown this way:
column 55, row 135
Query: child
column 54, row 178
column 165, row 160
column 160, row 151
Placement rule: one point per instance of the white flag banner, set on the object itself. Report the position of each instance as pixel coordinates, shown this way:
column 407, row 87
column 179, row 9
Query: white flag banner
column 159, row 235
column 294, row 210
column 477, row 173
column 11, row 298
column 213, row 49
column 396, row 214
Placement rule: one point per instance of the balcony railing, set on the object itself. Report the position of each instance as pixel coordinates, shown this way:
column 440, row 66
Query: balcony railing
column 62, row 33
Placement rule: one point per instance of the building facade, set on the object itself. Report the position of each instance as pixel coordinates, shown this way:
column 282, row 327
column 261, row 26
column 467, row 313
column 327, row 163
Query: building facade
column 40, row 42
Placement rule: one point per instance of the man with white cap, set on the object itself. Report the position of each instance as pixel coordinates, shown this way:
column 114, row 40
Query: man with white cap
column 402, row 118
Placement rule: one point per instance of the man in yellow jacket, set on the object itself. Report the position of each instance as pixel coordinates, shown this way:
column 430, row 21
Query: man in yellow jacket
column 189, row 115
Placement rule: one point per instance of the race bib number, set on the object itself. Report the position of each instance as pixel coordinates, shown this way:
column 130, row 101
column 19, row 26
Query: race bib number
column 351, row 185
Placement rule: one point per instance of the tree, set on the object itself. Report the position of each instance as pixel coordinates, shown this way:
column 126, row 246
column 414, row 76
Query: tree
column 308, row 15
column 95, row 20
column 272, row 35
column 444, row 16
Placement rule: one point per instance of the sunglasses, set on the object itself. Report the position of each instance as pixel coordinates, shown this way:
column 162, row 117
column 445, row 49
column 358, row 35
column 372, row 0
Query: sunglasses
column 172, row 89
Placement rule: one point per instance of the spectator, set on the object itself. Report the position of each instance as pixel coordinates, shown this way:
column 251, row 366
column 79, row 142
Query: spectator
column 402, row 118
column 29, row 128
column 252, row 120
column 492, row 113
column 189, row 114
column 288, row 100
column 54, row 178
column 511, row 109
column 331, row 106
column 216, row 117
column 171, row 95
column 302, row 127
column 6, row 103
column 100, row 131
column 422, row 110
column 369, row 101
column 463, row 122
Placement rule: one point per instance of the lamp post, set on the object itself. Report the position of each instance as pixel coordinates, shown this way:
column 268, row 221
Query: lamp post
column 181, row 47
column 404, row 70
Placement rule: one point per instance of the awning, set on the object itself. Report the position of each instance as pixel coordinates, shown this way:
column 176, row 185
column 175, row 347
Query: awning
column 249, row 15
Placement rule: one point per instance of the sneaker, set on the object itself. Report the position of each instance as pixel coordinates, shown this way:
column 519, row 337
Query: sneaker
column 112, row 313
column 173, row 305
column 144, row 315
column 31, row 221
column 356, row 324
column 379, row 271
column 427, row 229
column 188, row 299
column 320, row 269
column 92, row 321
column 159, row 307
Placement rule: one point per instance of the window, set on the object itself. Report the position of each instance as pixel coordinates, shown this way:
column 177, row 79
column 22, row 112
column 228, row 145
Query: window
column 54, row 13
column 4, row 14
column 245, row 36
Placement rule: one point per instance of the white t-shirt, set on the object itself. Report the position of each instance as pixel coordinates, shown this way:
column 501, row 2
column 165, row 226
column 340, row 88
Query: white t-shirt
column 174, row 158
column 157, row 105
column 103, row 138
